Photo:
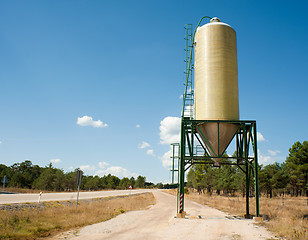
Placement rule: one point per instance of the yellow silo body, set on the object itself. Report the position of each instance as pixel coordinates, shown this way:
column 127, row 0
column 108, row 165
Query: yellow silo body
column 216, row 75
column 216, row 85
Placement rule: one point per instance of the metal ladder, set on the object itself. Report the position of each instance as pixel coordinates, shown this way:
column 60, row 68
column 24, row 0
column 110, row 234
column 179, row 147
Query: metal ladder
column 188, row 97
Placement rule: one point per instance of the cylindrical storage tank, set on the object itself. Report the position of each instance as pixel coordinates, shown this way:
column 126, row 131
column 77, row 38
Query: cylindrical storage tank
column 216, row 75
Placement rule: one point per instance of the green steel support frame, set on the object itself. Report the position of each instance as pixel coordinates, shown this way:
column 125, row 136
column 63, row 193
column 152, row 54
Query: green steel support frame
column 190, row 154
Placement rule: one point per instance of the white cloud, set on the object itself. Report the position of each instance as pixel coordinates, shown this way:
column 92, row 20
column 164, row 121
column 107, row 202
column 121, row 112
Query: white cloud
column 264, row 159
column 88, row 121
column 144, row 145
column 104, row 168
column 150, row 152
column 166, row 159
column 55, row 160
column 87, row 168
column 113, row 170
column 0, row 142
column 138, row 126
column 103, row 164
column 273, row 153
column 260, row 137
column 170, row 128
column 116, row 171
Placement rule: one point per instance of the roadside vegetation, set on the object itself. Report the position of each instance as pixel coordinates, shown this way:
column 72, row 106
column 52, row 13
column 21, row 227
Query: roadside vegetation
column 51, row 218
column 26, row 176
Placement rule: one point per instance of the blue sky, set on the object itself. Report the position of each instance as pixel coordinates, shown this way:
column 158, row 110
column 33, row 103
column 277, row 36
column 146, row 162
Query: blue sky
column 97, row 84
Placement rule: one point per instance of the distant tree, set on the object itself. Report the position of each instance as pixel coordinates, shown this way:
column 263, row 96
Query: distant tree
column 150, row 185
column 140, row 182
column 59, row 180
column 113, row 181
column 280, row 179
column 240, row 181
column 3, row 169
column 296, row 166
column 23, row 174
column 91, row 183
column 132, row 181
column 190, row 178
column 160, row 185
column 70, row 181
column 227, row 179
column 124, row 183
column 46, row 180
column 268, row 181
column 103, row 182
column 201, row 178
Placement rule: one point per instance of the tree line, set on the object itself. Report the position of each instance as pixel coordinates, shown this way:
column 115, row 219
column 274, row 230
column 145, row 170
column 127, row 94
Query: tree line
column 289, row 177
column 27, row 175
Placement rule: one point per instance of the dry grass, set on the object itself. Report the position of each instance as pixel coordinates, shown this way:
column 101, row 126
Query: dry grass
column 287, row 217
column 58, row 216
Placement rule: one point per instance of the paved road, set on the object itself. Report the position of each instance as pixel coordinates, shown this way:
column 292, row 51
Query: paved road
column 159, row 222
column 22, row 198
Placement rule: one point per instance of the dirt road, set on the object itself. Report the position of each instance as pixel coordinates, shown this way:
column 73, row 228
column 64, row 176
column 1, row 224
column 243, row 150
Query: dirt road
column 159, row 222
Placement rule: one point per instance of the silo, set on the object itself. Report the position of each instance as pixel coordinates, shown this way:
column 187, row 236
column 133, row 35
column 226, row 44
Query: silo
column 216, row 84
column 216, row 108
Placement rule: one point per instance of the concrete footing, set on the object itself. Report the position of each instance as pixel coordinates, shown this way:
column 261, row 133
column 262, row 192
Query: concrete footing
column 181, row 215
column 258, row 219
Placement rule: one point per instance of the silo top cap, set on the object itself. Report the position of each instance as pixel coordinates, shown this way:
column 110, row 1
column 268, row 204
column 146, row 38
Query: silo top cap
column 215, row 19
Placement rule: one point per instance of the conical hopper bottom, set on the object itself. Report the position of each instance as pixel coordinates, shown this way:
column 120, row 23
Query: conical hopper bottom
column 217, row 137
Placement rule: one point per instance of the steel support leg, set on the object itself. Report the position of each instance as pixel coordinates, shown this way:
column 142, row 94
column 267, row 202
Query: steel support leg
column 182, row 169
column 256, row 171
column 247, row 190
column 246, row 153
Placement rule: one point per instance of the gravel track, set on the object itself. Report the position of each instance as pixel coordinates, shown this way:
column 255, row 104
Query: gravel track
column 202, row 222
